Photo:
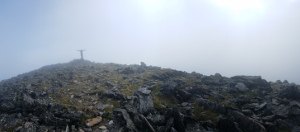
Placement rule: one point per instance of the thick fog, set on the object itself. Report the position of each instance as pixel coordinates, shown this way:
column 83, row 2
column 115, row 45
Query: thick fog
column 230, row 37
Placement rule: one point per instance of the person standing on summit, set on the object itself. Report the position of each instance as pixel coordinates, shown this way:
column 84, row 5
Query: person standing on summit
column 81, row 53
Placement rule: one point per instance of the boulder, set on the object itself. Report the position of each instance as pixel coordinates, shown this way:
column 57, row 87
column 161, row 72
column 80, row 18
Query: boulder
column 291, row 92
column 156, row 119
column 245, row 123
column 122, row 121
column 228, row 125
column 182, row 95
column 215, row 80
column 252, row 82
column 144, row 100
column 212, row 105
column 114, row 93
column 27, row 102
column 168, row 88
column 241, row 87
column 192, row 125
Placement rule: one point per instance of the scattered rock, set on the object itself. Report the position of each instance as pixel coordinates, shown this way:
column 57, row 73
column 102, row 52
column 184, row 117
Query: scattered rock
column 144, row 98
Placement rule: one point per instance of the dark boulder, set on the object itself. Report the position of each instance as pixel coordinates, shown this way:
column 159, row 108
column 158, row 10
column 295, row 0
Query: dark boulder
column 271, row 127
column 215, row 80
column 192, row 125
column 291, row 92
column 178, row 120
column 245, row 123
column 168, row 88
column 182, row 95
column 253, row 82
column 212, row 105
column 114, row 93
column 28, row 102
column 156, row 119
column 7, row 106
column 122, row 121
column 198, row 91
column 227, row 125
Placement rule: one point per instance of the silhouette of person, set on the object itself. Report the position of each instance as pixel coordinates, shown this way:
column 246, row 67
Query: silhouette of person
column 81, row 53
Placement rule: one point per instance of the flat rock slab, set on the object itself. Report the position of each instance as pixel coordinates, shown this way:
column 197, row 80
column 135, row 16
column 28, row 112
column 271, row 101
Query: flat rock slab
column 94, row 121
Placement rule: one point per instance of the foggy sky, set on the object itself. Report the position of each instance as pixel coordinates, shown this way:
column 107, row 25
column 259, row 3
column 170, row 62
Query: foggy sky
column 253, row 37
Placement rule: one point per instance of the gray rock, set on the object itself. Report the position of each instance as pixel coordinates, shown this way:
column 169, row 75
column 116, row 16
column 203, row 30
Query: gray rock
column 182, row 95
column 28, row 127
column 144, row 100
column 156, row 119
column 212, row 105
column 242, row 87
column 228, row 125
column 114, row 93
column 170, row 124
column 27, row 102
column 122, row 115
column 291, row 92
column 168, row 88
column 144, row 91
column 245, row 123
column 253, row 82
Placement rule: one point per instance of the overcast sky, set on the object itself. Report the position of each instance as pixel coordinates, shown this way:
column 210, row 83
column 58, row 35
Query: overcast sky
column 233, row 37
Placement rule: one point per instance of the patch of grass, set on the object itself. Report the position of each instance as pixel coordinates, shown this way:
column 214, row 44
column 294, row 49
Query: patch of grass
column 115, row 104
column 252, row 93
column 204, row 114
column 190, row 80
column 11, row 128
column 227, row 97
column 83, row 119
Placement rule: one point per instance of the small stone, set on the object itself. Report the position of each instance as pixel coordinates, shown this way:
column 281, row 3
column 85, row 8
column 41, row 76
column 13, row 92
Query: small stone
column 144, row 91
column 184, row 104
column 111, row 122
column 94, row 121
column 103, row 127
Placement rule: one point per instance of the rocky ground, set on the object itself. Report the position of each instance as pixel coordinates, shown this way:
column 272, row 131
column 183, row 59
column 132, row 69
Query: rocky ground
column 81, row 96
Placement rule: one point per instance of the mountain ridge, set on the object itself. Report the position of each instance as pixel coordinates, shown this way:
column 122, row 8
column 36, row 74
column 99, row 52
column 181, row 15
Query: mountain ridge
column 86, row 96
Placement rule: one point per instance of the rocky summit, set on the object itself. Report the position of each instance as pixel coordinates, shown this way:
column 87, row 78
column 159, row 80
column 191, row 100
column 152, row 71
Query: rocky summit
column 82, row 96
